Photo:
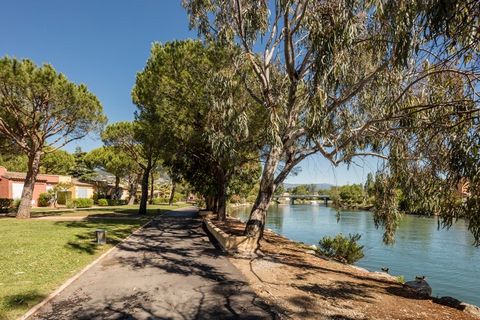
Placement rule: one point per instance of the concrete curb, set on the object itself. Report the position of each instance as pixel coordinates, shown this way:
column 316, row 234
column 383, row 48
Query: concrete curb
column 52, row 295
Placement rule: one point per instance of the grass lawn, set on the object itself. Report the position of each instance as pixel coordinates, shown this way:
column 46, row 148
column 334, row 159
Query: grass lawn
column 120, row 210
column 38, row 256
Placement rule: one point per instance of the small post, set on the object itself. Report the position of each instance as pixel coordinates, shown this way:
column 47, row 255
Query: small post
column 101, row 235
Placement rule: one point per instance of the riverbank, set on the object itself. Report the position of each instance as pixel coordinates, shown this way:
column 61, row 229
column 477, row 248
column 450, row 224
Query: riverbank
column 300, row 285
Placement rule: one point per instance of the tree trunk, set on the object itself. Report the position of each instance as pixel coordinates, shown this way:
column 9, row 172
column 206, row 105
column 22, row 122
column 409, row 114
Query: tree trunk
column 25, row 207
column 210, row 203
column 172, row 193
column 132, row 192
column 256, row 222
column 222, row 197
column 144, row 197
column 152, row 186
column 116, row 190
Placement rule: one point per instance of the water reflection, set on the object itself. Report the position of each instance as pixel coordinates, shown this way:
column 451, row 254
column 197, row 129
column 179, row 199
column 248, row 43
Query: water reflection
column 447, row 258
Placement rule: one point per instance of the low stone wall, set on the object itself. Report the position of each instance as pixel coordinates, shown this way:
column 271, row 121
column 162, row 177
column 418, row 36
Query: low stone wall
column 230, row 243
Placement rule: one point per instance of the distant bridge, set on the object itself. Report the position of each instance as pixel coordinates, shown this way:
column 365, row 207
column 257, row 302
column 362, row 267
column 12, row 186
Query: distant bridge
column 324, row 197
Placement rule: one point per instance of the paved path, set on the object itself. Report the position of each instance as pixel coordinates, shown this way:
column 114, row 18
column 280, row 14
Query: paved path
column 169, row 270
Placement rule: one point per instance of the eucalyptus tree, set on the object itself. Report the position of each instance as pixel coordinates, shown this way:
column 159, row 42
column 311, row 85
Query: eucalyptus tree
column 343, row 78
column 40, row 112
column 113, row 161
column 138, row 140
column 209, row 121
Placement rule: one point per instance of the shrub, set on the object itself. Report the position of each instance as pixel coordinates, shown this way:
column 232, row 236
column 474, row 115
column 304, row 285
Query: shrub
column 160, row 200
column 82, row 203
column 44, row 199
column 16, row 203
column 102, row 202
column 342, row 248
column 117, row 202
column 5, row 204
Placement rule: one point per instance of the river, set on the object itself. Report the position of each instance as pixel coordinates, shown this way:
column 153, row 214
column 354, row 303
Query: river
column 446, row 257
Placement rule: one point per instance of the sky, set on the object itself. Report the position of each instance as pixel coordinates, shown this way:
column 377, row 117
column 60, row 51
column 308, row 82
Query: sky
column 104, row 43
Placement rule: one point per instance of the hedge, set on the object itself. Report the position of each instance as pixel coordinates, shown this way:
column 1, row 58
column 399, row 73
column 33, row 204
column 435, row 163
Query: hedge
column 5, row 204
column 102, row 202
column 80, row 203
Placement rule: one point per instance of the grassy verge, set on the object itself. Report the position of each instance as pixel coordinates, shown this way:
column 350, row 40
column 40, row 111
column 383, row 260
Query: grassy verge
column 114, row 210
column 38, row 256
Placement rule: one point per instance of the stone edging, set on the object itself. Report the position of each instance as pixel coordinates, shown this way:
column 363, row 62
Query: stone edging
column 230, row 243
column 52, row 295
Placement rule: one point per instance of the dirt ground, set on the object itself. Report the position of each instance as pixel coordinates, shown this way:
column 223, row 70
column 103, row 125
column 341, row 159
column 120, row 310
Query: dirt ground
column 300, row 285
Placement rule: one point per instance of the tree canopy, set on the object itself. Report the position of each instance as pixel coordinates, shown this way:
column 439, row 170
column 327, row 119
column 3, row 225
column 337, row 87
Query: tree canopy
column 42, row 111
column 350, row 79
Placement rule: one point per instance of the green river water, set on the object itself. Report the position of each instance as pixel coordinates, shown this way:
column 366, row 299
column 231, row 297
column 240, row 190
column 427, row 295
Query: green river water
column 446, row 257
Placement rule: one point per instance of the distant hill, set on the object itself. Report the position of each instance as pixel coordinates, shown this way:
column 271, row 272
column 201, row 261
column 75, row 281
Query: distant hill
column 318, row 186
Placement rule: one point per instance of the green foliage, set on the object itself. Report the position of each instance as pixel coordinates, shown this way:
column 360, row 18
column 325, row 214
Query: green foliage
column 80, row 203
column 5, row 204
column 14, row 162
column 400, row 279
column 211, row 127
column 102, row 202
column 342, row 248
column 44, row 199
column 300, row 190
column 16, row 203
column 117, row 202
column 349, row 196
column 164, row 200
column 398, row 80
column 57, row 162
column 111, row 160
column 82, row 169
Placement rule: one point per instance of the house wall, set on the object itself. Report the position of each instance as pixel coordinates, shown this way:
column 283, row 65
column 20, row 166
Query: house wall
column 5, row 188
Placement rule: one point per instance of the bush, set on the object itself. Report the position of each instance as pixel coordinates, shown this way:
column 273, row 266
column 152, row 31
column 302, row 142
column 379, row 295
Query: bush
column 16, row 203
column 80, row 203
column 102, row 202
column 342, row 248
column 160, row 200
column 5, row 204
column 44, row 199
column 117, row 202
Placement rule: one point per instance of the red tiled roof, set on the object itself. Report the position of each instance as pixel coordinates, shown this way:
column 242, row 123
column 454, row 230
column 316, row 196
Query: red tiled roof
column 21, row 176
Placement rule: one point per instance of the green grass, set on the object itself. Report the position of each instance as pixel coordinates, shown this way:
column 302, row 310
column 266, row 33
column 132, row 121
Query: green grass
column 38, row 256
column 120, row 210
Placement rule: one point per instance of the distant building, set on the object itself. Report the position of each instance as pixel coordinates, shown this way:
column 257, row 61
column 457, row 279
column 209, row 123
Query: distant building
column 11, row 186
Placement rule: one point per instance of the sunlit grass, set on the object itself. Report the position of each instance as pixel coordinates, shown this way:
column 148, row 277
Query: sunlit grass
column 38, row 256
column 120, row 210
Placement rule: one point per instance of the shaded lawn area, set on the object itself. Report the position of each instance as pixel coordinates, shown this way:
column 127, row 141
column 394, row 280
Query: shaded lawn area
column 125, row 210
column 38, row 256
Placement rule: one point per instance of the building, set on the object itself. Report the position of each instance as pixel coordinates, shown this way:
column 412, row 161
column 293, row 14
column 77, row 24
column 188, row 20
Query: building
column 11, row 186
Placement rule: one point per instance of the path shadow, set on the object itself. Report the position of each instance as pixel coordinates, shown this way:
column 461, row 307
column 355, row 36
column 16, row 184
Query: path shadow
column 22, row 300
column 85, row 241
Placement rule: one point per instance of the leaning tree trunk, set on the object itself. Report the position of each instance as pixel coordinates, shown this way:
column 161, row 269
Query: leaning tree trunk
column 25, row 207
column 132, row 192
column 144, row 197
column 256, row 222
column 172, row 193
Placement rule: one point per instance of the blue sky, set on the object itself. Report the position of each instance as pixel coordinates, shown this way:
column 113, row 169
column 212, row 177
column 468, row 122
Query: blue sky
column 103, row 44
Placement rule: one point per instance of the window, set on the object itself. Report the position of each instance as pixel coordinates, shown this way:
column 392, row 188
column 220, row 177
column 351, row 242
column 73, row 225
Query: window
column 82, row 192
column 17, row 188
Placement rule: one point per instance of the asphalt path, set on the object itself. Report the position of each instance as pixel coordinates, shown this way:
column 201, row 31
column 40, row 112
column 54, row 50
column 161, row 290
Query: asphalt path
column 168, row 270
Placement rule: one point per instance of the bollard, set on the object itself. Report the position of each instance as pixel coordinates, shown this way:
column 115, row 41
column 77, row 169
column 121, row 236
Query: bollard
column 101, row 236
